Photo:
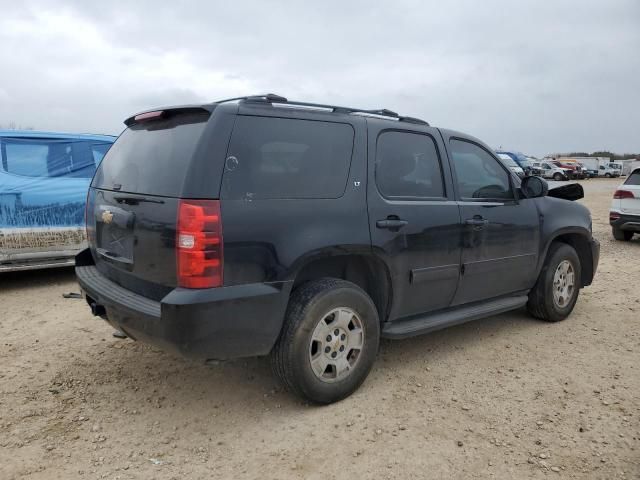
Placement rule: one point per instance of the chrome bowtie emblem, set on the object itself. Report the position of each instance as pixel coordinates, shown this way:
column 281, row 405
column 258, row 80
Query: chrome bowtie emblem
column 107, row 216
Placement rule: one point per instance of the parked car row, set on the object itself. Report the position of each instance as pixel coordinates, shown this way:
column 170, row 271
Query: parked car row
column 560, row 168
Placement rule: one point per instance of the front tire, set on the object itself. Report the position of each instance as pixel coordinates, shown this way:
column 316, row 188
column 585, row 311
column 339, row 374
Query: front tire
column 329, row 340
column 556, row 291
column 622, row 235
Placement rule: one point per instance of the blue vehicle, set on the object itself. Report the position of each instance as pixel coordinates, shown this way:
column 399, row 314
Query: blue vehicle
column 519, row 158
column 44, row 179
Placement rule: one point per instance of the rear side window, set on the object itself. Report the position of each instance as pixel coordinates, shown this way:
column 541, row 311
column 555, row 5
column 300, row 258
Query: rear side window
column 407, row 165
column 152, row 157
column 47, row 157
column 272, row 158
column 633, row 179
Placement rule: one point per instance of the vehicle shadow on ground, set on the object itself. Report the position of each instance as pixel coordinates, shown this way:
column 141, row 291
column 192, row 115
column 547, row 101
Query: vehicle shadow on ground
column 139, row 372
column 36, row 278
column 249, row 384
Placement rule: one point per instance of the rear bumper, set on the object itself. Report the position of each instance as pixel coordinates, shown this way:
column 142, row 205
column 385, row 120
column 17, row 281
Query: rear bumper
column 626, row 222
column 216, row 323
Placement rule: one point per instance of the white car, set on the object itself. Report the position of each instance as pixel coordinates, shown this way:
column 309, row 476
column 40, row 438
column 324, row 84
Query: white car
column 511, row 163
column 608, row 171
column 549, row 170
column 624, row 216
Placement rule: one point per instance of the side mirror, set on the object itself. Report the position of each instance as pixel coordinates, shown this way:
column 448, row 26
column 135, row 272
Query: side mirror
column 534, row 187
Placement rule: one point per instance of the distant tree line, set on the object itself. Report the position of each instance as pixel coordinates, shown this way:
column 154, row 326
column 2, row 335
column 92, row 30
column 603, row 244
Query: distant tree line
column 604, row 153
column 14, row 126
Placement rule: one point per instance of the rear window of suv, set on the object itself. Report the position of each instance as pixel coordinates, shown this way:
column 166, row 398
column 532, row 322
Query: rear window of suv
column 634, row 178
column 152, row 157
column 271, row 158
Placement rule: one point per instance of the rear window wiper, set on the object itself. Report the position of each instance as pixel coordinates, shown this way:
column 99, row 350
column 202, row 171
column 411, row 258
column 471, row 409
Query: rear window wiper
column 135, row 200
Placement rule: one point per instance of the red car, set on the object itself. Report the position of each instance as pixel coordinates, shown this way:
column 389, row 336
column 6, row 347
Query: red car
column 577, row 171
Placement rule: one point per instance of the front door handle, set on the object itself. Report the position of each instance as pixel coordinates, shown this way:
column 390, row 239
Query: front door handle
column 391, row 223
column 477, row 222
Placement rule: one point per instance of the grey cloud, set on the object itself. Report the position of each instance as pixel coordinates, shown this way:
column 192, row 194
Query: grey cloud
column 535, row 76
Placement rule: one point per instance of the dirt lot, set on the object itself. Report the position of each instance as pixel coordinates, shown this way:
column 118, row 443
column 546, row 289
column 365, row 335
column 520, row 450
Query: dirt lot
column 507, row 397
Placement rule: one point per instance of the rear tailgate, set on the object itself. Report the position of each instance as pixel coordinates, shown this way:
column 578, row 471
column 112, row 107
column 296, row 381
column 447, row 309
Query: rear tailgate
column 133, row 201
column 631, row 206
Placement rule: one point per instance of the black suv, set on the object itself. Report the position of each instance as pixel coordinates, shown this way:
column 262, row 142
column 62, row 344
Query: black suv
column 259, row 225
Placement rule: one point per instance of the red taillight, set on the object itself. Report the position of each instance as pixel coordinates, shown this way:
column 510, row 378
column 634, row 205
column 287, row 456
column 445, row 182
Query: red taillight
column 88, row 205
column 620, row 194
column 614, row 216
column 86, row 213
column 199, row 244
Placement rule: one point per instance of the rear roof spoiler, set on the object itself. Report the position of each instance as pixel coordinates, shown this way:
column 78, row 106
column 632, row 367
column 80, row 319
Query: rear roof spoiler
column 164, row 112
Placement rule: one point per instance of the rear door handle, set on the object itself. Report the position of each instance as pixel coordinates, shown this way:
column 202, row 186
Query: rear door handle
column 391, row 223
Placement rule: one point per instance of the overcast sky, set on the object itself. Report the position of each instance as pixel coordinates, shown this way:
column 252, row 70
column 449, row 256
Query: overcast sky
column 534, row 76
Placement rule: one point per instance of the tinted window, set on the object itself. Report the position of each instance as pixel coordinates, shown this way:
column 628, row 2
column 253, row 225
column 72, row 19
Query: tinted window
column 479, row 175
column 152, row 157
column 284, row 158
column 35, row 157
column 407, row 165
column 633, row 179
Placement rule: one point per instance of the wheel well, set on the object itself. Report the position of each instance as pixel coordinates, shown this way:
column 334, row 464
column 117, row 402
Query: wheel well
column 369, row 273
column 582, row 247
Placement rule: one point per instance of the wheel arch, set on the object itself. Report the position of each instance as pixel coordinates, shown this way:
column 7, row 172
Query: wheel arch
column 365, row 270
column 580, row 241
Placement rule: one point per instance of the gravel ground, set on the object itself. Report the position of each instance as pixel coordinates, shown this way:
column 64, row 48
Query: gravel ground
column 506, row 397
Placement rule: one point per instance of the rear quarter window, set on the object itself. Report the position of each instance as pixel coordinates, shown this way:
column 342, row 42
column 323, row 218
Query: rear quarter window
column 278, row 158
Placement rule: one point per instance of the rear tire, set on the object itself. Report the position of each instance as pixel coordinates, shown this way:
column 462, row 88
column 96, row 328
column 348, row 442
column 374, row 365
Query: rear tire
column 558, row 177
column 622, row 235
column 310, row 358
column 555, row 294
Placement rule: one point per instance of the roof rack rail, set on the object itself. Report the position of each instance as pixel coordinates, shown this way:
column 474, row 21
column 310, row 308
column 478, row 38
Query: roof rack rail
column 272, row 98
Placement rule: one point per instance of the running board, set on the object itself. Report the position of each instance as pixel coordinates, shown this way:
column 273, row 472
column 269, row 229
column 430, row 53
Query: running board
column 436, row 321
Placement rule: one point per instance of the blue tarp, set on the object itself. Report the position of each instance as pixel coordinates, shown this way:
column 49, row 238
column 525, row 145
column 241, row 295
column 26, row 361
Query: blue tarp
column 44, row 181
